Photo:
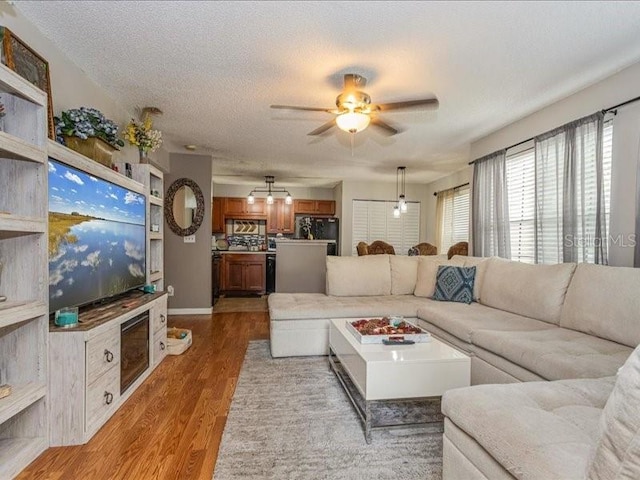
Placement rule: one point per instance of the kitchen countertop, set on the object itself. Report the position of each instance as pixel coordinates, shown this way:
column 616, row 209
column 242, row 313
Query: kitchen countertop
column 241, row 252
column 302, row 241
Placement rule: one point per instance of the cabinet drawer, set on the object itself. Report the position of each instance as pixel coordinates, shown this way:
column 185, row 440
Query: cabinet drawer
column 103, row 353
column 102, row 397
column 159, row 319
column 159, row 346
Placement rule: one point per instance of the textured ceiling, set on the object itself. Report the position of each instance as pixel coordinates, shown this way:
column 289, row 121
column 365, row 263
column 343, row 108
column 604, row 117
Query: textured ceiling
column 215, row 67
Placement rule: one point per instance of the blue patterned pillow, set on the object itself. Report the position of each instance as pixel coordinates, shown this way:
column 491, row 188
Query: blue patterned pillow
column 455, row 284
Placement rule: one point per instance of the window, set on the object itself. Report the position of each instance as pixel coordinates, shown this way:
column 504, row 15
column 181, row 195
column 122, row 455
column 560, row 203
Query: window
column 373, row 220
column 453, row 211
column 521, row 175
column 521, row 194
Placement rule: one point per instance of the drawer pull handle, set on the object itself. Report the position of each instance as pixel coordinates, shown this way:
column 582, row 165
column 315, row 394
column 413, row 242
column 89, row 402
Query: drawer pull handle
column 108, row 356
column 108, row 398
column 162, row 319
column 162, row 347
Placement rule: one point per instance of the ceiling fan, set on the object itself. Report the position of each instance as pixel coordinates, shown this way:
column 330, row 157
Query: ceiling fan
column 355, row 111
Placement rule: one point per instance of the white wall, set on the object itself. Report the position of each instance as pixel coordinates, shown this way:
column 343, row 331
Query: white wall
column 429, row 213
column 374, row 191
column 70, row 85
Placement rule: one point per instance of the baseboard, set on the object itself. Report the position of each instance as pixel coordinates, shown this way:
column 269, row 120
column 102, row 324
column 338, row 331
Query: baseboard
column 190, row 311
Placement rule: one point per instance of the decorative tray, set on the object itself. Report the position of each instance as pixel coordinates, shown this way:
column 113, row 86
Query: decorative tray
column 375, row 330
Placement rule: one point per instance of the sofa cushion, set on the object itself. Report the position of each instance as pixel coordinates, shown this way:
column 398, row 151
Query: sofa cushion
column 454, row 284
column 535, row 430
column 604, row 301
column 368, row 275
column 555, row 354
column 404, row 273
column 427, row 270
column 617, row 454
column 464, row 320
column 535, row 291
column 302, row 306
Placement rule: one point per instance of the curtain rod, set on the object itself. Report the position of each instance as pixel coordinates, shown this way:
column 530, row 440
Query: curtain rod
column 606, row 110
column 454, row 188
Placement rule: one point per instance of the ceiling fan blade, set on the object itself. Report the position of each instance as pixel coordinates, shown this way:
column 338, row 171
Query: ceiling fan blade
column 422, row 103
column 323, row 128
column 308, row 109
column 385, row 127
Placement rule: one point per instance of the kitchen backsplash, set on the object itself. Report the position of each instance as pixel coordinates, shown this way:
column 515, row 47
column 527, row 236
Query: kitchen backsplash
column 246, row 240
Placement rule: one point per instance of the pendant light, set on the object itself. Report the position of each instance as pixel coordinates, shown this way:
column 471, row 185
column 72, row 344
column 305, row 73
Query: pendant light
column 269, row 190
column 402, row 200
column 401, row 205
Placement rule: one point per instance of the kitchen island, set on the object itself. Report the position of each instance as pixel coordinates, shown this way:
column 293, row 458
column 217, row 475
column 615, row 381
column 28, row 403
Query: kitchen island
column 301, row 266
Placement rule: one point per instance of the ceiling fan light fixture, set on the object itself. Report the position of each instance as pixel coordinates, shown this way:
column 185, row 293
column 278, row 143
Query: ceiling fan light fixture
column 353, row 122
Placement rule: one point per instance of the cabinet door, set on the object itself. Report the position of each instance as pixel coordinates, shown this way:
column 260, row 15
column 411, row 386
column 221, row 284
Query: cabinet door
column 273, row 217
column 234, row 206
column 234, row 274
column 217, row 216
column 325, row 207
column 286, row 219
column 304, row 206
column 254, row 277
column 259, row 207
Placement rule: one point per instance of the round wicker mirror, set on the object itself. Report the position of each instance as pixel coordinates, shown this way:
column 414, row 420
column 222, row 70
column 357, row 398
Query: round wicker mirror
column 184, row 207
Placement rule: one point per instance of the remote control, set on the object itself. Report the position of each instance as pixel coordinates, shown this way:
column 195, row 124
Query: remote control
column 398, row 342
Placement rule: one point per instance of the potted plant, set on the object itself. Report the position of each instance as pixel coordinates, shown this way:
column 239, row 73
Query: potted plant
column 143, row 136
column 87, row 131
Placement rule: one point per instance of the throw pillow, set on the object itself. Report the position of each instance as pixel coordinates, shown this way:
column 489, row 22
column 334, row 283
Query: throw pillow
column 455, row 284
column 427, row 270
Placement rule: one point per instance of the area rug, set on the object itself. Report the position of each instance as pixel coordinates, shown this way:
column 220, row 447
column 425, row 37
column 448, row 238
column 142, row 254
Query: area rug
column 290, row 419
column 241, row 304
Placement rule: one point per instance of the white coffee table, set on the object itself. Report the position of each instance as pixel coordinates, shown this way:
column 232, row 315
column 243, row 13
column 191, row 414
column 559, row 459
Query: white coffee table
column 384, row 372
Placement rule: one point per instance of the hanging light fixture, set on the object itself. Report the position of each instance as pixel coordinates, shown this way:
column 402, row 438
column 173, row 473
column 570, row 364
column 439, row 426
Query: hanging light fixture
column 401, row 205
column 269, row 190
column 402, row 199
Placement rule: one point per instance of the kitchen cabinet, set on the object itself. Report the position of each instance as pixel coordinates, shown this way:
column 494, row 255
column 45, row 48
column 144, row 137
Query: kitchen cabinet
column 314, row 207
column 280, row 217
column 217, row 215
column 244, row 272
column 240, row 208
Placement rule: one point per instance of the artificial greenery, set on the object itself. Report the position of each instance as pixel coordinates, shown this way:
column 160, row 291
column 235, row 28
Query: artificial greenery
column 86, row 122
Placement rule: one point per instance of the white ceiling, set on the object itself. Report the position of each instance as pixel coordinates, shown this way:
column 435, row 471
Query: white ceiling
column 215, row 67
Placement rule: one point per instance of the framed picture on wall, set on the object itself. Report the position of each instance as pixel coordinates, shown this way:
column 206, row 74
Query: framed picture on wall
column 23, row 60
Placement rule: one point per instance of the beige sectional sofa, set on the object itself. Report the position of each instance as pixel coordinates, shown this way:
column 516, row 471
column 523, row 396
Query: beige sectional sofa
column 572, row 324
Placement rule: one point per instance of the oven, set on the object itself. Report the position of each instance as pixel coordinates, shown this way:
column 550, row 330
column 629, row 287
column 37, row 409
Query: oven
column 134, row 350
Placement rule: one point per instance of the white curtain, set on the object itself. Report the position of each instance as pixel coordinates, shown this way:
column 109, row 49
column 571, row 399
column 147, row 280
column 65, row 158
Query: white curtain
column 570, row 214
column 490, row 207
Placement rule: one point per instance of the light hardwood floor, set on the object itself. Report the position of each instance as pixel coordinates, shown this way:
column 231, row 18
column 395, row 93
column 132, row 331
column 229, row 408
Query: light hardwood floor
column 171, row 427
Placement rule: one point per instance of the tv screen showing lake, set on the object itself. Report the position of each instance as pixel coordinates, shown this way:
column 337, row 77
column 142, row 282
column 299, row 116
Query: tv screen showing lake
column 97, row 238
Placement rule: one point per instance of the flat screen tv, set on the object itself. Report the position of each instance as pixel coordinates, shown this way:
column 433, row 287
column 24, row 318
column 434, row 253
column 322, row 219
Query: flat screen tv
column 97, row 238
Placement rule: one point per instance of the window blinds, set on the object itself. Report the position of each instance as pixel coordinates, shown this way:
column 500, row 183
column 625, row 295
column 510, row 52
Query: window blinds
column 455, row 218
column 521, row 191
column 374, row 220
